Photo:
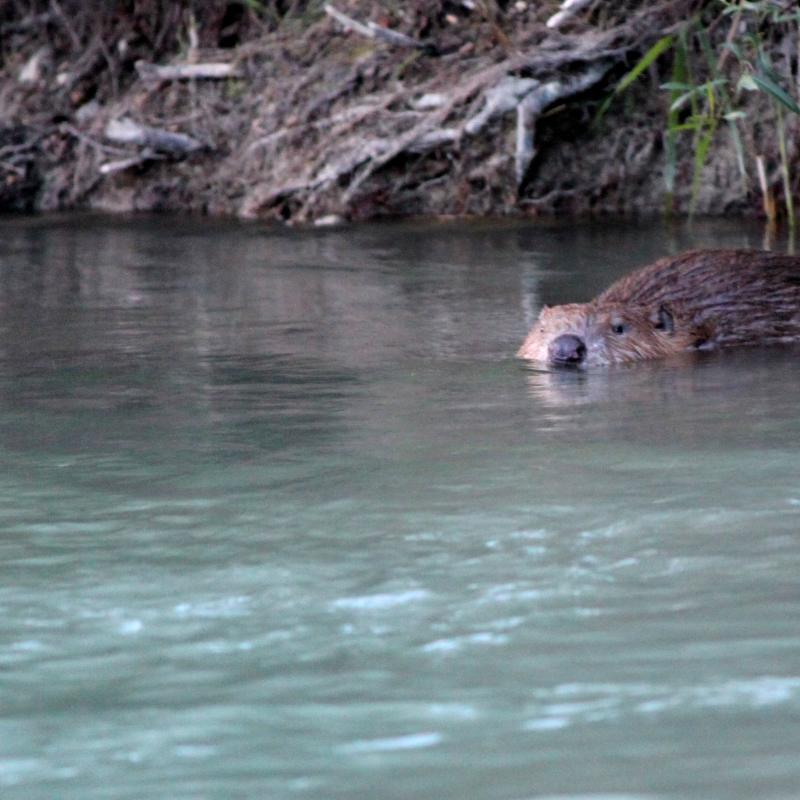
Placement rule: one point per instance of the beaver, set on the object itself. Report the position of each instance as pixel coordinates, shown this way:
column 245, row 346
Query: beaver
column 700, row 299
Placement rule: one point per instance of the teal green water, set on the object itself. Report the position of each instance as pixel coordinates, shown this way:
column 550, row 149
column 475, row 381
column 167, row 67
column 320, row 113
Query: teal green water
column 281, row 516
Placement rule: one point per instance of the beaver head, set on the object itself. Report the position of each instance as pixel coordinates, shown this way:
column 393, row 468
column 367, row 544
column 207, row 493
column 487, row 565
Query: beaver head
column 594, row 334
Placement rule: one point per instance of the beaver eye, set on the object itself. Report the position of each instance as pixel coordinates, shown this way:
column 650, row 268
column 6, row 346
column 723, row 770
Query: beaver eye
column 664, row 321
column 617, row 327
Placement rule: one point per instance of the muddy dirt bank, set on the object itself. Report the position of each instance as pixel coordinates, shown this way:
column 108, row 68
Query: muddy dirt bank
column 287, row 111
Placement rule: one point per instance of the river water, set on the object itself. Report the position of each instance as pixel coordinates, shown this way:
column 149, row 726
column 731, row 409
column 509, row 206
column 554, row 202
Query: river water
column 281, row 516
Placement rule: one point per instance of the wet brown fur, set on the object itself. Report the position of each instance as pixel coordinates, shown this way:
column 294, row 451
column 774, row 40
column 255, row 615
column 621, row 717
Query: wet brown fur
column 698, row 299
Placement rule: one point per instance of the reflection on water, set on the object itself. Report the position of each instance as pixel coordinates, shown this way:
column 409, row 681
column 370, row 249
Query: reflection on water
column 281, row 516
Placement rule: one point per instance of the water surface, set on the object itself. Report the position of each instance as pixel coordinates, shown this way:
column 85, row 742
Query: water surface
column 281, row 516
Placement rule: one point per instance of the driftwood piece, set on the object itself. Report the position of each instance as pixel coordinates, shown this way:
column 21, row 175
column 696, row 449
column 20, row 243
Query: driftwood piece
column 157, row 139
column 177, row 72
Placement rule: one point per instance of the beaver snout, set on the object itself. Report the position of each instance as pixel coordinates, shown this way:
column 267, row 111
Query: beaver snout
column 566, row 349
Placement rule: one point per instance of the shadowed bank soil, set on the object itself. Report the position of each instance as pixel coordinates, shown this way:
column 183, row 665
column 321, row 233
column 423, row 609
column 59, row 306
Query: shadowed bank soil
column 479, row 109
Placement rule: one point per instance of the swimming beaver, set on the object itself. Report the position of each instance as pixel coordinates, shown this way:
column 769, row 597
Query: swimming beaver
column 699, row 299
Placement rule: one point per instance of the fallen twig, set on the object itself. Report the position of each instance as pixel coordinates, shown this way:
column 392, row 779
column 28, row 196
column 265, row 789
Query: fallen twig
column 9, row 166
column 16, row 149
column 31, row 22
column 375, row 31
column 67, row 25
column 547, row 200
column 73, row 131
column 113, row 166
column 568, row 10
column 127, row 163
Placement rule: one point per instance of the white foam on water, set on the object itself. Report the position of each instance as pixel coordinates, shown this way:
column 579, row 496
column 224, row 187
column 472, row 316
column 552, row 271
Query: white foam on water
column 411, row 742
column 380, row 601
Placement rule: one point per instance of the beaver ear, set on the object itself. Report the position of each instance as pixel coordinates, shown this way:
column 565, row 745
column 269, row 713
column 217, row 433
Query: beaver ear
column 663, row 320
column 703, row 336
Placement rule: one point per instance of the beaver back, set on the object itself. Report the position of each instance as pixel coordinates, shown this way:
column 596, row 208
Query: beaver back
column 736, row 296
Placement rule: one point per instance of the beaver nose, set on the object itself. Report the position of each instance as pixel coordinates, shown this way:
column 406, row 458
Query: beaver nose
column 566, row 349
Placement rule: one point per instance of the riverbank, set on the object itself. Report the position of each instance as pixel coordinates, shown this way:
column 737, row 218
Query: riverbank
column 358, row 110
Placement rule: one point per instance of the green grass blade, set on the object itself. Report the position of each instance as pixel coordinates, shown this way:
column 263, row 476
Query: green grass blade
column 680, row 75
column 647, row 59
column 700, row 154
column 737, row 144
column 787, row 183
column 708, row 50
column 775, row 91
column 735, row 49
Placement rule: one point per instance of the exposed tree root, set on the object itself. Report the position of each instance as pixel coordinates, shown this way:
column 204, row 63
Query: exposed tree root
column 439, row 108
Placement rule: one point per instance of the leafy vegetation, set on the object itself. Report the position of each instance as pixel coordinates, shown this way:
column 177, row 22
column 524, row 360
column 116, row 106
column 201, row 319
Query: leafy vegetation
column 710, row 76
